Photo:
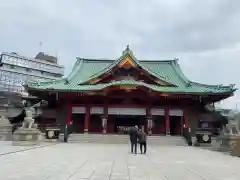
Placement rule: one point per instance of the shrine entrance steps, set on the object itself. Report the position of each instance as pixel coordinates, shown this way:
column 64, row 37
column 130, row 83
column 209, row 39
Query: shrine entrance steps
column 124, row 139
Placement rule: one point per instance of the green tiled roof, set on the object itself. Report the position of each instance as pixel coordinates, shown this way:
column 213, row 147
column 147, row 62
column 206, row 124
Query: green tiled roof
column 62, row 86
column 168, row 71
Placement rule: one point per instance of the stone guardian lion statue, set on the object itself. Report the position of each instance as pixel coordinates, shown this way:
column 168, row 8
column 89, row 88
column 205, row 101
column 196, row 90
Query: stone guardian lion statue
column 28, row 121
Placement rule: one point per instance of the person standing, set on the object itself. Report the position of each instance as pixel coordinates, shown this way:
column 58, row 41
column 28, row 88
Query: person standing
column 143, row 141
column 133, row 134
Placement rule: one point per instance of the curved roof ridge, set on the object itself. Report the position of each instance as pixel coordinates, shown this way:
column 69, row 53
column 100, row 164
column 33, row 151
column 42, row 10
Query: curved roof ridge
column 81, row 88
column 77, row 66
column 142, row 61
column 178, row 70
column 155, row 61
column 96, row 59
column 214, row 86
column 105, row 69
column 44, row 82
column 188, row 81
column 139, row 83
column 126, row 82
column 115, row 62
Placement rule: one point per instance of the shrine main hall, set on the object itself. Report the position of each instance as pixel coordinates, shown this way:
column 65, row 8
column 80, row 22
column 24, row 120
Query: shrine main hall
column 109, row 96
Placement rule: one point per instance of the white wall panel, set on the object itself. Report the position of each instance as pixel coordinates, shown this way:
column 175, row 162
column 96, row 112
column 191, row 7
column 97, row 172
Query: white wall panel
column 176, row 112
column 127, row 111
column 78, row 110
column 157, row 112
column 97, row 110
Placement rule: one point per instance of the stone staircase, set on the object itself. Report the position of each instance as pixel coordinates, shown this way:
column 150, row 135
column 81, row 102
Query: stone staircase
column 167, row 140
column 123, row 139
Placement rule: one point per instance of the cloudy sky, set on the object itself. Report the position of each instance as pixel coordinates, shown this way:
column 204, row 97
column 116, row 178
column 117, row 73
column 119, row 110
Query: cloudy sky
column 204, row 35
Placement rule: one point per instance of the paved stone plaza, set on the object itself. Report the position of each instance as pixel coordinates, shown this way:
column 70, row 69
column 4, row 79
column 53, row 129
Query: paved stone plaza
column 103, row 162
column 7, row 148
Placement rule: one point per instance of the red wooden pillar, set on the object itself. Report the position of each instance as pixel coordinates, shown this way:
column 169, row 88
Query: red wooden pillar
column 86, row 119
column 149, row 119
column 185, row 118
column 149, row 116
column 105, row 118
column 69, row 114
column 167, row 121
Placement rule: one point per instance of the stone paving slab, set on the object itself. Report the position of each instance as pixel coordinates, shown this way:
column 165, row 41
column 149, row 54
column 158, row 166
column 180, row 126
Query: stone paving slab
column 114, row 162
column 6, row 147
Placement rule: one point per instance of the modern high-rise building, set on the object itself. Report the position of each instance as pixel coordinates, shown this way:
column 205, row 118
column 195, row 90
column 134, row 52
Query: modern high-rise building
column 15, row 70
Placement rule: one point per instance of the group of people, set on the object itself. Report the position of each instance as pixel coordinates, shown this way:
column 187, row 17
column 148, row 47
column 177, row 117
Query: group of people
column 138, row 136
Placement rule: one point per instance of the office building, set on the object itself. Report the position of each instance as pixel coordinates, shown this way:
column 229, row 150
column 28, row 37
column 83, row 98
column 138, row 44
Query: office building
column 15, row 70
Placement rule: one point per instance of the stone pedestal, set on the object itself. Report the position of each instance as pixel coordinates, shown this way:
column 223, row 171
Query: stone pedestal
column 235, row 146
column 6, row 133
column 27, row 136
column 5, row 129
column 168, row 132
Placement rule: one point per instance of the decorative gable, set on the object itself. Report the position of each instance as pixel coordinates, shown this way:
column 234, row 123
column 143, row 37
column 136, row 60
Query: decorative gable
column 127, row 63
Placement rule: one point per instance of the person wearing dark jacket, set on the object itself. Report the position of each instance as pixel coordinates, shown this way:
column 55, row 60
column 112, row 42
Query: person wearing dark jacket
column 133, row 134
column 142, row 141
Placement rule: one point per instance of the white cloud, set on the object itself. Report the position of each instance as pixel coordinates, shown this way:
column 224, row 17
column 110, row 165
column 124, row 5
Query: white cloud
column 203, row 34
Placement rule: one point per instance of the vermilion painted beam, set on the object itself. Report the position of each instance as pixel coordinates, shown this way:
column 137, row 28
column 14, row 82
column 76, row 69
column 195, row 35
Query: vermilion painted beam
column 114, row 105
column 142, row 90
